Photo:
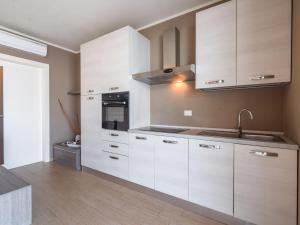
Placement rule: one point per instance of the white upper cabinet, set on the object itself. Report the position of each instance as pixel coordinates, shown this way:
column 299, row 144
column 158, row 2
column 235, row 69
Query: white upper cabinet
column 90, row 68
column 171, row 166
column 211, row 175
column 265, row 185
column 263, row 41
column 108, row 62
column 244, row 43
column 216, row 46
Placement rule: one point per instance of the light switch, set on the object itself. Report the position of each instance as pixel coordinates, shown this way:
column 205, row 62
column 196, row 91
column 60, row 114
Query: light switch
column 188, row 112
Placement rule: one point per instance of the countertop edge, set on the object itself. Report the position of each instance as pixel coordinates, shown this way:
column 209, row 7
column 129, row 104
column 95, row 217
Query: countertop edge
column 289, row 145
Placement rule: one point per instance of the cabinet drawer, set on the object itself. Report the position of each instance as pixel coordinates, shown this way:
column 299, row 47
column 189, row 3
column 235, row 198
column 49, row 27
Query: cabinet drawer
column 115, row 147
column 115, row 165
column 211, row 175
column 115, row 136
column 265, row 185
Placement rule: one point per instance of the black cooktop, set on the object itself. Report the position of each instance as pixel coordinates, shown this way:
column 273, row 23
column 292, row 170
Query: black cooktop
column 163, row 129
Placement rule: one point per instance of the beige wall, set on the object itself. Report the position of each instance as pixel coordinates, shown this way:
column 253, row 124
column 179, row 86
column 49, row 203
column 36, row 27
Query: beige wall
column 210, row 109
column 64, row 76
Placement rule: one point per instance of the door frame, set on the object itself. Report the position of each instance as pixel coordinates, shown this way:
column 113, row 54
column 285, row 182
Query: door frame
column 45, row 99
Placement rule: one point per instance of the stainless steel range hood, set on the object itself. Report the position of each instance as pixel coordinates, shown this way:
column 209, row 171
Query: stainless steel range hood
column 171, row 71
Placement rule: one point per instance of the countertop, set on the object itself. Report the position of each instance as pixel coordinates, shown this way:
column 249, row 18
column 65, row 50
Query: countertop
column 193, row 133
column 10, row 182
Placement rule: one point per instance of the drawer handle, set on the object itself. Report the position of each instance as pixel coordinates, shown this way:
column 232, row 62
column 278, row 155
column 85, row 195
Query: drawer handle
column 113, row 88
column 114, row 135
column 262, row 77
column 114, row 146
column 217, row 147
column 170, row 142
column 114, row 157
column 90, row 91
column 140, row 138
column 90, row 98
column 264, row 154
column 215, row 82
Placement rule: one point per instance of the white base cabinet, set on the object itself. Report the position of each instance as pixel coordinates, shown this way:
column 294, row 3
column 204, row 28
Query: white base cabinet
column 265, row 186
column 211, row 175
column 91, row 144
column 171, row 166
column 141, row 159
column 115, row 165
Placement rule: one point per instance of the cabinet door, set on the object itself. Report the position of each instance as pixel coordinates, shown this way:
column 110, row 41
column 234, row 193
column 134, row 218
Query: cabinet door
column 90, row 68
column 263, row 41
column 114, row 56
column 115, row 165
column 216, row 46
column 91, row 148
column 265, row 185
column 141, row 159
column 171, row 166
column 211, row 175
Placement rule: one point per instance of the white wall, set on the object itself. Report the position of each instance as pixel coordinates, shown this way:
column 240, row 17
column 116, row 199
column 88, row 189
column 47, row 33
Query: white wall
column 23, row 121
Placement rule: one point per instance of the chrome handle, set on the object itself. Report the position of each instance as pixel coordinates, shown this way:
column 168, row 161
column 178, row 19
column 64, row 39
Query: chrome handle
column 114, row 135
column 262, row 77
column 107, row 103
column 140, row 138
column 90, row 98
column 113, row 88
column 217, row 147
column 170, row 142
column 264, row 153
column 114, row 157
column 215, row 82
column 90, row 91
column 114, row 146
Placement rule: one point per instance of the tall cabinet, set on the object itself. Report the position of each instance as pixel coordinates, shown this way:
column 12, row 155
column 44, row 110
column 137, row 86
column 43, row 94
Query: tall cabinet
column 107, row 64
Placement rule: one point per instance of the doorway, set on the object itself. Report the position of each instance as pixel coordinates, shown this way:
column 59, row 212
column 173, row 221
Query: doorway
column 25, row 111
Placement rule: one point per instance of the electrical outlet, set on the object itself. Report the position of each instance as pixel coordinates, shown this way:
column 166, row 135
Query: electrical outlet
column 188, row 112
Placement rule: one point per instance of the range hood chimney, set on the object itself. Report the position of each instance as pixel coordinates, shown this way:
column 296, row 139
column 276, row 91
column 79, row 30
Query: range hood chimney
column 172, row 71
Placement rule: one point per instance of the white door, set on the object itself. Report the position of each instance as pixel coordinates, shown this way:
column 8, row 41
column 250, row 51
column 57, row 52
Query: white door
column 211, row 175
column 216, row 46
column 91, row 149
column 265, row 185
column 171, row 166
column 263, row 41
column 141, row 159
column 22, row 100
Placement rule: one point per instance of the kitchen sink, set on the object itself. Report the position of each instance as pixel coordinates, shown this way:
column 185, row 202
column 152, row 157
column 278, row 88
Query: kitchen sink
column 246, row 136
column 262, row 137
column 215, row 133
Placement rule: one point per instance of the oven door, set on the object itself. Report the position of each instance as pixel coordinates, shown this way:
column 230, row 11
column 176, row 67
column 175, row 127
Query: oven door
column 115, row 115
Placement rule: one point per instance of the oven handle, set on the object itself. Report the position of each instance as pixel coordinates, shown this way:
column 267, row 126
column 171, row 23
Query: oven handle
column 115, row 103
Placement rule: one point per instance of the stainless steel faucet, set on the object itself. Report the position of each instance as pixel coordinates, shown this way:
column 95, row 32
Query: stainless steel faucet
column 240, row 130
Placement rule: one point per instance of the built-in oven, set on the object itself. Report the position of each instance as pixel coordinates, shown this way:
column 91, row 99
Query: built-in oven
column 115, row 111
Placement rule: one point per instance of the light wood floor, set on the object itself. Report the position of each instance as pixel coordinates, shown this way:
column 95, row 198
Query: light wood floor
column 62, row 196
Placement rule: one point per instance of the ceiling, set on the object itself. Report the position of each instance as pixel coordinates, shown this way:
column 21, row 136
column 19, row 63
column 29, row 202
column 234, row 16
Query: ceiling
column 69, row 23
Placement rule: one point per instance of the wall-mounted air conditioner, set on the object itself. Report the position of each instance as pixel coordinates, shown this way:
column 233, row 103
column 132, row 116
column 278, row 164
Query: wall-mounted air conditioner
column 25, row 44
